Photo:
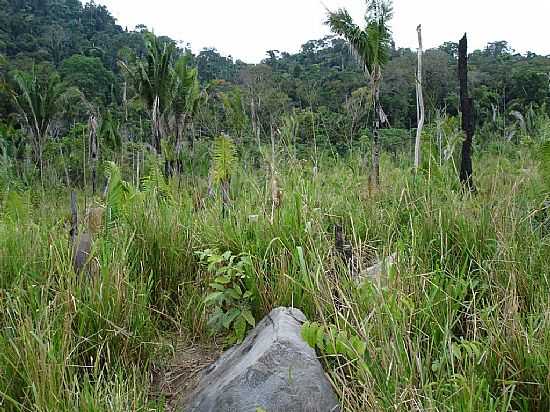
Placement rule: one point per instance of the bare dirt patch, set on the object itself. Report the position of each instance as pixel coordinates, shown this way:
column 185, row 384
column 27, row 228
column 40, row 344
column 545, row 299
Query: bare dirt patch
column 176, row 379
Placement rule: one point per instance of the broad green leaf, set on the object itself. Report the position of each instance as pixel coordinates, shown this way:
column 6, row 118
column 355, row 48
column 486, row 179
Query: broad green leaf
column 240, row 328
column 358, row 345
column 249, row 317
column 309, row 334
column 224, row 280
column 217, row 286
column 234, row 293
column 230, row 317
column 213, row 297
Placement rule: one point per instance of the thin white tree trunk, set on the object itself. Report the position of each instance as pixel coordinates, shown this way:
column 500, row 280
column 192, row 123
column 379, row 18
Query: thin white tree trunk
column 420, row 102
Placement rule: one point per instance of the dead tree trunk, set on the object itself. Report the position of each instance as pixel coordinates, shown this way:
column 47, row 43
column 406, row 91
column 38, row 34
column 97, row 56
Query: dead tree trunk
column 94, row 151
column 419, row 102
column 375, row 168
column 466, row 106
column 73, row 233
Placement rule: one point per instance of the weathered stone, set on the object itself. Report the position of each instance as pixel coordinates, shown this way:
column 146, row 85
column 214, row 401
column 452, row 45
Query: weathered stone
column 274, row 370
column 379, row 273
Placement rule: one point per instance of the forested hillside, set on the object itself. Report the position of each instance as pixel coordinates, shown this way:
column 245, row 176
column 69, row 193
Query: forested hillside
column 84, row 45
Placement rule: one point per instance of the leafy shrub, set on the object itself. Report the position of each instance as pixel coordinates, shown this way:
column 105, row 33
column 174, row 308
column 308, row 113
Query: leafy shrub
column 228, row 294
column 333, row 342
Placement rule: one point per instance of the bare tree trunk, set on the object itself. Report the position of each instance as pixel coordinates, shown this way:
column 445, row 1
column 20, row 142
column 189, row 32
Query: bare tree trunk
column 73, row 233
column 374, row 177
column 420, row 103
column 137, row 170
column 67, row 180
column 94, row 151
column 466, row 106
column 155, row 125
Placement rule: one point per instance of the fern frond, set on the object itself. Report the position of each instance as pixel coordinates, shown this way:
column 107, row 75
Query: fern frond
column 118, row 193
column 155, row 186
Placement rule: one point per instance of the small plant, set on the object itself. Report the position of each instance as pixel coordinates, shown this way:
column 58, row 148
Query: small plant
column 224, row 160
column 229, row 293
column 332, row 342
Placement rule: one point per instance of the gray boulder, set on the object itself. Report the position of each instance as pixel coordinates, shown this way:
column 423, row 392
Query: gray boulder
column 273, row 370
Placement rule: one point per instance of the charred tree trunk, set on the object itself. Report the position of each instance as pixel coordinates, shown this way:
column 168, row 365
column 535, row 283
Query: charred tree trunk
column 466, row 106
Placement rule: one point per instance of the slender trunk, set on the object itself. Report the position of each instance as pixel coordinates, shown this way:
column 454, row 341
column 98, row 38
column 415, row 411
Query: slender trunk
column 125, row 101
column 94, row 151
column 67, row 180
column 375, row 167
column 137, row 169
column 156, row 126
column 466, row 106
column 41, row 161
column 420, row 103
column 315, row 160
column 73, row 233
column 225, row 197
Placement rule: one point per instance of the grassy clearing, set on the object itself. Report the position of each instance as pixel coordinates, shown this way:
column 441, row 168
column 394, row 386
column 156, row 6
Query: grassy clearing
column 462, row 325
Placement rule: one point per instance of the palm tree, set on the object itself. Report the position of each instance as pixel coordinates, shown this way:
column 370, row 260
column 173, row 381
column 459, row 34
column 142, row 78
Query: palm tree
column 371, row 47
column 185, row 99
column 171, row 92
column 153, row 81
column 38, row 100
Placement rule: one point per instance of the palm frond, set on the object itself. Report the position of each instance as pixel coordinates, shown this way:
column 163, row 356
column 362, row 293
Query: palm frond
column 370, row 46
column 224, row 158
column 155, row 186
column 118, row 193
column 342, row 24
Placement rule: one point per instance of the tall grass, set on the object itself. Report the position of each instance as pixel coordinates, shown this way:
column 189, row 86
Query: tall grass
column 462, row 323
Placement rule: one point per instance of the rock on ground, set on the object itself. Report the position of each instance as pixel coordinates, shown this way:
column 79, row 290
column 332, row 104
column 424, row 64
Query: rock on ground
column 273, row 370
column 379, row 272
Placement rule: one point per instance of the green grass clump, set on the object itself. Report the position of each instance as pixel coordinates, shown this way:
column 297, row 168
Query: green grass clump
column 462, row 323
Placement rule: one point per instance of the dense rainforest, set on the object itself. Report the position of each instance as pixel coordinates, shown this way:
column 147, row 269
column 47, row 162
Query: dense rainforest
column 83, row 48
column 156, row 204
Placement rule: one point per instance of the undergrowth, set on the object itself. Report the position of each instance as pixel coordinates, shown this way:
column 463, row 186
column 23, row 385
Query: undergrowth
column 462, row 324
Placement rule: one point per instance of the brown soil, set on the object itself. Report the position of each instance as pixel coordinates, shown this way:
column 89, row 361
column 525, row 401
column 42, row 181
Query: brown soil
column 176, row 380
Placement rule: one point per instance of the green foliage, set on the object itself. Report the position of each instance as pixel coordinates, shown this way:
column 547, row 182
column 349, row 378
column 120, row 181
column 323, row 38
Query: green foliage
column 109, row 132
column 186, row 88
column 38, row 99
column 119, row 192
column 224, row 158
column 151, row 77
column 332, row 341
column 371, row 46
column 229, row 294
column 544, row 154
column 234, row 109
column 463, row 323
column 90, row 76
